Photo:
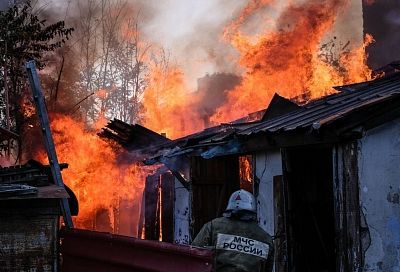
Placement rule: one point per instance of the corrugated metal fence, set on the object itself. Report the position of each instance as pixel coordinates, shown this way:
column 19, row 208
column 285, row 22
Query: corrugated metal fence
column 84, row 250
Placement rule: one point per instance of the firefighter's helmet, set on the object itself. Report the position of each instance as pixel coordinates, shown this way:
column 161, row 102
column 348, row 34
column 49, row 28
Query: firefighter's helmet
column 242, row 200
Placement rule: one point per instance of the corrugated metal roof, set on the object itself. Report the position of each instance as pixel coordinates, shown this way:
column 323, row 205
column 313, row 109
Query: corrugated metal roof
column 315, row 114
column 330, row 108
column 208, row 137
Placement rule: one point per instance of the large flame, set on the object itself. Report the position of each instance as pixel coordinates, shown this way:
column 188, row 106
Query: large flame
column 108, row 190
column 169, row 106
column 286, row 60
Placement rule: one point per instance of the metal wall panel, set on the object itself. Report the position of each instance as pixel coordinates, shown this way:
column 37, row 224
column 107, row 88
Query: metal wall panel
column 84, row 250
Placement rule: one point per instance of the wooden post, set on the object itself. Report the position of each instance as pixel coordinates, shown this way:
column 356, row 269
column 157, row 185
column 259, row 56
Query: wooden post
column 48, row 139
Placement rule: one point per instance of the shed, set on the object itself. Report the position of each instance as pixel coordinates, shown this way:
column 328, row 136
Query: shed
column 30, row 218
column 325, row 175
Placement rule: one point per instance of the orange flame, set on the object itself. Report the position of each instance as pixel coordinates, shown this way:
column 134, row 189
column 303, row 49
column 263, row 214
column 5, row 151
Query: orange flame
column 286, row 61
column 246, row 173
column 169, row 105
column 103, row 185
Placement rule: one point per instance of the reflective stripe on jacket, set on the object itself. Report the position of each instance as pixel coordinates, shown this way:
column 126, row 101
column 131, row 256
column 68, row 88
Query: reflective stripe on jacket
column 240, row 245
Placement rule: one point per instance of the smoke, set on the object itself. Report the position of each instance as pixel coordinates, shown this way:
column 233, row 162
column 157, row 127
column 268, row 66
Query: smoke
column 245, row 38
column 193, row 30
column 213, row 92
column 190, row 30
column 381, row 20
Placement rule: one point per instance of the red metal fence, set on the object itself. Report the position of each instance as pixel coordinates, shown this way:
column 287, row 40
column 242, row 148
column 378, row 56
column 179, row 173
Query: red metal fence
column 84, row 250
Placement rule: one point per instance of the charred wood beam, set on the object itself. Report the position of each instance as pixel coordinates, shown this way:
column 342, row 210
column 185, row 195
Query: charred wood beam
column 132, row 137
column 35, row 180
column 181, row 179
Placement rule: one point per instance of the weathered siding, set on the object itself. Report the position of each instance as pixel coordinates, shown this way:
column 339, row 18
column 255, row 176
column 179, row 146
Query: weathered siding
column 349, row 236
column 28, row 237
column 181, row 214
column 267, row 165
column 379, row 177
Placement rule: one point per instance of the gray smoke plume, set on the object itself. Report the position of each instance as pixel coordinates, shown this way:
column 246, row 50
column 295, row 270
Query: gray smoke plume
column 382, row 20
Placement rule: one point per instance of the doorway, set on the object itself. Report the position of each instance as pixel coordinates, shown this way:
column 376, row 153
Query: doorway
column 308, row 173
column 213, row 181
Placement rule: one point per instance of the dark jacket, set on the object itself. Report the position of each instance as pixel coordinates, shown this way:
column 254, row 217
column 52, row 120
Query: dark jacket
column 239, row 245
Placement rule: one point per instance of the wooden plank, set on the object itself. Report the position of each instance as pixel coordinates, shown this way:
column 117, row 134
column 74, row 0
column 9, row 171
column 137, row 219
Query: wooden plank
column 141, row 231
column 167, row 206
column 280, row 212
column 48, row 139
column 347, row 207
column 151, row 214
column 51, row 191
column 213, row 181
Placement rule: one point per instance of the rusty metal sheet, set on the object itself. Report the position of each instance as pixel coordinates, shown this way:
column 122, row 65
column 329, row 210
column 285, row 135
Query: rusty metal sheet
column 84, row 250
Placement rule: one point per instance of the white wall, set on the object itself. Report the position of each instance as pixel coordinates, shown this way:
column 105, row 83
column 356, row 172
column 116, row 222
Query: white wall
column 379, row 177
column 267, row 165
column 181, row 214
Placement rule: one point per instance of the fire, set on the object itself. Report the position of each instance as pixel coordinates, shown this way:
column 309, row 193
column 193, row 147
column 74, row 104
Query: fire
column 355, row 61
column 286, row 61
column 246, row 173
column 285, row 58
column 109, row 191
column 168, row 103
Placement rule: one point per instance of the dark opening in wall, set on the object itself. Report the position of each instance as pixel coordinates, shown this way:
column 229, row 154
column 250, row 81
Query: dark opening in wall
column 310, row 216
column 213, row 181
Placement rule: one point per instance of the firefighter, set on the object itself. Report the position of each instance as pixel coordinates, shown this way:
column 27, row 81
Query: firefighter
column 239, row 243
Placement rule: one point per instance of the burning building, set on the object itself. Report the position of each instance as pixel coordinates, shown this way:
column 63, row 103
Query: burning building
column 307, row 158
column 324, row 174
